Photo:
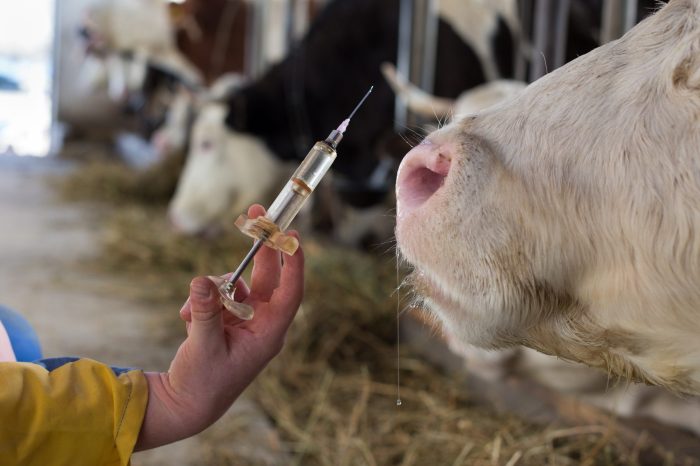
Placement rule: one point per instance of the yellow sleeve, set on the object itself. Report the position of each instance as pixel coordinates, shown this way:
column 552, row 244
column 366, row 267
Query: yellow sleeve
column 69, row 412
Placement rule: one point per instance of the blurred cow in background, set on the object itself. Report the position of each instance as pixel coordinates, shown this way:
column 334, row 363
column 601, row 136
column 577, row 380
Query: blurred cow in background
column 145, row 50
column 128, row 37
column 173, row 136
column 216, row 34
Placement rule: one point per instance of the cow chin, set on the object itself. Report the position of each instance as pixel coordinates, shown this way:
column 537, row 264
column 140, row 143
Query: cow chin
column 454, row 313
column 469, row 300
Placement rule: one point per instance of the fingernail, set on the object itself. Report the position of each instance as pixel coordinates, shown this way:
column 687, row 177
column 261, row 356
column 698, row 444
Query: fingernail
column 199, row 288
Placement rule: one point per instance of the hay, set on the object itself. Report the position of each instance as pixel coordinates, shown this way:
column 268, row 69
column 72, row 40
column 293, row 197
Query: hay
column 111, row 181
column 331, row 394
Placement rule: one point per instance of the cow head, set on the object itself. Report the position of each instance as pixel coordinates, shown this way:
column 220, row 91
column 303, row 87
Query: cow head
column 225, row 172
column 173, row 135
column 568, row 219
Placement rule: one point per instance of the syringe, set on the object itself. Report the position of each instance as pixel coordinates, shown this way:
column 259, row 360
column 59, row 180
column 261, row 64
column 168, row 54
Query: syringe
column 269, row 229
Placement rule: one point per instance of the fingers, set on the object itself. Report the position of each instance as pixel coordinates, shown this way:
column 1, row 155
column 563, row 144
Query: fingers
column 266, row 273
column 255, row 211
column 288, row 296
column 240, row 294
column 242, row 291
column 185, row 312
column 266, row 266
column 205, row 308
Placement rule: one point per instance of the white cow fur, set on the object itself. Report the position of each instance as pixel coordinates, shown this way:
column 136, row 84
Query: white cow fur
column 569, row 219
column 225, row 172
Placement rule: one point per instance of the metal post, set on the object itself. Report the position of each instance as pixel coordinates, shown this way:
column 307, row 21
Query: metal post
column 255, row 43
column 561, row 32
column 430, row 24
column 403, row 60
column 290, row 23
column 299, row 18
column 417, row 51
column 631, row 8
column 550, row 32
column 521, row 47
column 619, row 16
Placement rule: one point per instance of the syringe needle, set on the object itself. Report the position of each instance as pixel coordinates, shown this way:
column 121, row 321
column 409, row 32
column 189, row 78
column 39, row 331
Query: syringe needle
column 344, row 125
column 361, row 102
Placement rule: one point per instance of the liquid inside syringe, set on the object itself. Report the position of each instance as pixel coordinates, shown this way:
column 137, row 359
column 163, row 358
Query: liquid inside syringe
column 269, row 229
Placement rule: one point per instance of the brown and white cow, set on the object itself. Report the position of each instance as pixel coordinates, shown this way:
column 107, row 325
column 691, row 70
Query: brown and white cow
column 568, row 219
column 128, row 36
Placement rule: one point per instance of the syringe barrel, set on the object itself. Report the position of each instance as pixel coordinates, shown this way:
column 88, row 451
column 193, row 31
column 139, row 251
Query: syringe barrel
column 302, row 183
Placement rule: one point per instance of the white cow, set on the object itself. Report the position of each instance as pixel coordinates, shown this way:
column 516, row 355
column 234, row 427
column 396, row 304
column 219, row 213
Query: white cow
column 566, row 377
column 205, row 195
column 568, row 219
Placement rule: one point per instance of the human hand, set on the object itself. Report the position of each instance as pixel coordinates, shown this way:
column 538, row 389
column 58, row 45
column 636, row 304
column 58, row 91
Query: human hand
column 222, row 353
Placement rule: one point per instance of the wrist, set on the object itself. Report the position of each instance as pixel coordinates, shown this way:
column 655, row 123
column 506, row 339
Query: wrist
column 168, row 417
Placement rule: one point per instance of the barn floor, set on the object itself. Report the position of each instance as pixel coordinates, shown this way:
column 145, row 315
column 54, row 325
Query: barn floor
column 45, row 246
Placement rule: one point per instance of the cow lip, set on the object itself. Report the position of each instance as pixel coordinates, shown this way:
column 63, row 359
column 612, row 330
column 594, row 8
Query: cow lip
column 431, row 292
column 422, row 173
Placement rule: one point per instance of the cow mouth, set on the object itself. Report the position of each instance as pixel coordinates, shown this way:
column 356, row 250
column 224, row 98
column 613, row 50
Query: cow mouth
column 422, row 173
column 430, row 293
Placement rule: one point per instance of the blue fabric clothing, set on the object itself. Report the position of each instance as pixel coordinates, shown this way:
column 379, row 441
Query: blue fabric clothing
column 23, row 338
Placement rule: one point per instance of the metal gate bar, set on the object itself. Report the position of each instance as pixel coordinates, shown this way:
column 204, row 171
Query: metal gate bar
column 417, row 51
column 550, row 32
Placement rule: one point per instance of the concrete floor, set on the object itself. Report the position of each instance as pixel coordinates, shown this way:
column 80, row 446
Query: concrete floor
column 42, row 244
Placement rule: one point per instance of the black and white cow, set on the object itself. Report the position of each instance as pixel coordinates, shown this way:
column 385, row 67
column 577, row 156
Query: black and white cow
column 301, row 99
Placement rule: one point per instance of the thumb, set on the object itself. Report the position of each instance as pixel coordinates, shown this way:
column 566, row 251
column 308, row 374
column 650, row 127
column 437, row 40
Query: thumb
column 205, row 308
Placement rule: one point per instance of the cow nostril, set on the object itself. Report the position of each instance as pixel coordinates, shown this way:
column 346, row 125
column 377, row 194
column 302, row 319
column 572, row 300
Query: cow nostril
column 420, row 184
